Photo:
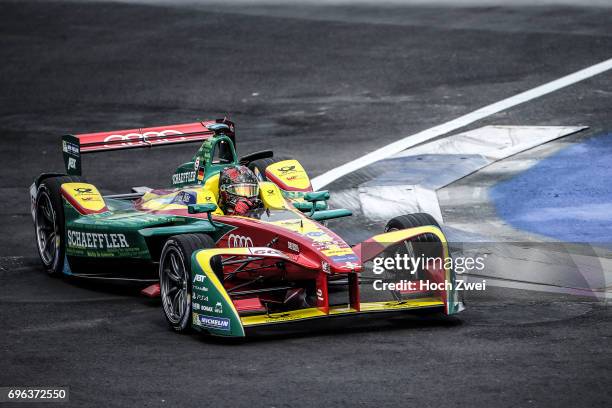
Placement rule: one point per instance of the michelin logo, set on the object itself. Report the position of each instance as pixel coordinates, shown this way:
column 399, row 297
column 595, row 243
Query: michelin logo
column 220, row 323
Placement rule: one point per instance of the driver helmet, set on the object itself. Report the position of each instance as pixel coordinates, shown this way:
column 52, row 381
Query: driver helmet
column 235, row 184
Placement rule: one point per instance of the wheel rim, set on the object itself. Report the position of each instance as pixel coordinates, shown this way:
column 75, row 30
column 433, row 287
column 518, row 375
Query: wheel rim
column 47, row 236
column 173, row 284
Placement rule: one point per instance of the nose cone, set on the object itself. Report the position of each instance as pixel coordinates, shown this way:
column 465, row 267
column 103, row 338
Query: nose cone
column 318, row 242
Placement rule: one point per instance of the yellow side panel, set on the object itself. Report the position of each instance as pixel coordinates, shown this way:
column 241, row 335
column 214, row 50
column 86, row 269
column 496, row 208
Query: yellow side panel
column 291, row 173
column 85, row 196
column 207, row 197
column 271, row 195
column 212, row 185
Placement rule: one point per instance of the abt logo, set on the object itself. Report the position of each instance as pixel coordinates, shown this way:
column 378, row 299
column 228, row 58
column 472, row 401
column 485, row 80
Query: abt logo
column 131, row 139
column 239, row 241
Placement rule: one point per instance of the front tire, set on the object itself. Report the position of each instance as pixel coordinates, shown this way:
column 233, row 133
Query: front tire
column 424, row 246
column 49, row 223
column 411, row 221
column 175, row 278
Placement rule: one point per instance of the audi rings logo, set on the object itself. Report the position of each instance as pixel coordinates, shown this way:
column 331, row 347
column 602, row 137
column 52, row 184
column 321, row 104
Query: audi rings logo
column 239, row 241
column 131, row 139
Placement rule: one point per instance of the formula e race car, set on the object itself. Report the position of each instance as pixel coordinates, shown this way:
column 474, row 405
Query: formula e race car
column 230, row 274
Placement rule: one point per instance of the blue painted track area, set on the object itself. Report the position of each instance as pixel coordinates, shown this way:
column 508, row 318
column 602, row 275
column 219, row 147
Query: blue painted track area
column 567, row 196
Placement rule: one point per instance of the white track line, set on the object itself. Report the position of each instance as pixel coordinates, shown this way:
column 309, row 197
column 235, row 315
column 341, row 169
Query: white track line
column 428, row 134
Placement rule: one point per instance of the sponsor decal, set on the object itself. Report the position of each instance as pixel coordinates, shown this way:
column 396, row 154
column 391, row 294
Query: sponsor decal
column 93, row 240
column 293, row 246
column 239, row 241
column 218, row 308
column 196, row 164
column 286, row 170
column 70, row 148
column 130, row 139
column 336, row 250
column 201, row 288
column 185, row 197
column 186, row 177
column 71, row 163
column 329, row 246
column 345, row 258
column 350, row 265
column 201, row 174
column 220, row 323
column 200, row 298
column 320, row 296
column 199, row 278
column 267, row 251
column 314, row 234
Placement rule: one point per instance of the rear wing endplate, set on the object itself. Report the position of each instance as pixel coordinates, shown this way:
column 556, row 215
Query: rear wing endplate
column 73, row 146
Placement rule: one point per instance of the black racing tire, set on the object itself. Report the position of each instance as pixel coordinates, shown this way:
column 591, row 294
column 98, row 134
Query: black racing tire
column 413, row 221
column 176, row 277
column 259, row 166
column 426, row 245
column 49, row 223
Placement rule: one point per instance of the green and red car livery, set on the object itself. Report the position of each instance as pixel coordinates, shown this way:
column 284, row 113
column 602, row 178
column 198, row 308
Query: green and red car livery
column 220, row 273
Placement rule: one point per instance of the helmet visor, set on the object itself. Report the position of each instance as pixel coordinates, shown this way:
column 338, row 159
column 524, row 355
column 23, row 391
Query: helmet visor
column 243, row 189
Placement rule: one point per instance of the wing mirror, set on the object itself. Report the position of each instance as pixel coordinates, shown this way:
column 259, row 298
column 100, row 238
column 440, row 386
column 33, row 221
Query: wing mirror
column 201, row 208
column 314, row 196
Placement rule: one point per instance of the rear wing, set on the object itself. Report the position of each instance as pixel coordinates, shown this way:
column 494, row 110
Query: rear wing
column 73, row 146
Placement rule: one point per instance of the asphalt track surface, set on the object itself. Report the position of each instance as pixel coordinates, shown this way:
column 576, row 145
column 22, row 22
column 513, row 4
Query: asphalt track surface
column 322, row 84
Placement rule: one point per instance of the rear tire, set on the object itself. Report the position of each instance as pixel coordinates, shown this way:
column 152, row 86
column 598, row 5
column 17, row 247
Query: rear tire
column 175, row 277
column 259, row 166
column 49, row 223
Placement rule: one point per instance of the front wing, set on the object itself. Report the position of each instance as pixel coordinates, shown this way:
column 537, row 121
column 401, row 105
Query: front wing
column 214, row 309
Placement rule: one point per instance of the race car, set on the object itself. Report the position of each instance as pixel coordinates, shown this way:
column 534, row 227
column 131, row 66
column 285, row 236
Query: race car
column 229, row 273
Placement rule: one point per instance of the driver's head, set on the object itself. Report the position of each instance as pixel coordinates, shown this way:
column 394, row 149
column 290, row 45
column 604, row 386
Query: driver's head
column 237, row 188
